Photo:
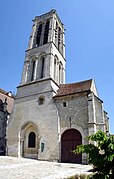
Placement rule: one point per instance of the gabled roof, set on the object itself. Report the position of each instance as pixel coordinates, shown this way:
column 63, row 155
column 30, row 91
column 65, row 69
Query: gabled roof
column 73, row 88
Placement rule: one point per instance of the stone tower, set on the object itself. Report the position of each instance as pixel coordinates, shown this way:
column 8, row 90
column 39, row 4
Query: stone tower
column 35, row 117
column 45, row 57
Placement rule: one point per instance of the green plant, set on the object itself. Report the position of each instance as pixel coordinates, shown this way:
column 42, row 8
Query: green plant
column 100, row 155
column 80, row 176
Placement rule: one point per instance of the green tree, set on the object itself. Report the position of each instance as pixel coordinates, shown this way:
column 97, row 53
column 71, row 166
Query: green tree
column 100, row 154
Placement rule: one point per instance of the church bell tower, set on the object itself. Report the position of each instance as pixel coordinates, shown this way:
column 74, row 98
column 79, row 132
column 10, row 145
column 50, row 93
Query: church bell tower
column 45, row 56
column 34, row 127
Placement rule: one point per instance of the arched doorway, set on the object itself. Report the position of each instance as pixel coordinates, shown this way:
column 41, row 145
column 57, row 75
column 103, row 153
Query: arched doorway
column 29, row 141
column 70, row 139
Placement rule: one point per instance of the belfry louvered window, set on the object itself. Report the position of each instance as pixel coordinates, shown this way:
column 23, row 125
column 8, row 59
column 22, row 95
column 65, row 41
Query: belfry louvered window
column 46, row 31
column 59, row 37
column 56, row 35
column 38, row 37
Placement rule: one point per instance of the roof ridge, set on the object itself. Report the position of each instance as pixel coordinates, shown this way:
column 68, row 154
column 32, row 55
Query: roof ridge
column 78, row 82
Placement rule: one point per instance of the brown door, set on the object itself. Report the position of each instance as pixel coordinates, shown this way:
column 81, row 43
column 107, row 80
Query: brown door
column 70, row 139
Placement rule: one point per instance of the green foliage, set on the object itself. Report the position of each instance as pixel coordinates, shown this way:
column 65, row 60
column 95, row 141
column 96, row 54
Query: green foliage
column 101, row 154
column 80, row 176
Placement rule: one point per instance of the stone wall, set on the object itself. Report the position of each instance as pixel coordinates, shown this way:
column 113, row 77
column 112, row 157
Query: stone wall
column 44, row 117
column 74, row 115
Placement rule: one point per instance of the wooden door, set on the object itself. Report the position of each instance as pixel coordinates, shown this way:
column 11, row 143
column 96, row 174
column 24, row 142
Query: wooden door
column 70, row 139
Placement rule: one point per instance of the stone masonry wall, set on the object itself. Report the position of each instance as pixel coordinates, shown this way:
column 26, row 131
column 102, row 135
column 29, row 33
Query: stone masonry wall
column 74, row 115
column 44, row 117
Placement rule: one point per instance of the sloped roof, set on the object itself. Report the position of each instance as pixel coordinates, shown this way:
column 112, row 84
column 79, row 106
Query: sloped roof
column 72, row 88
column 10, row 99
column 3, row 91
column 9, row 94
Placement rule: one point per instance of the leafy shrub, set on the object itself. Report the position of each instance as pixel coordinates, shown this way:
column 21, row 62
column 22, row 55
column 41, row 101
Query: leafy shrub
column 100, row 155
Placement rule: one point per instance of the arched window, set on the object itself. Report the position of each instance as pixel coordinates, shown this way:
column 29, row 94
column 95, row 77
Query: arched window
column 59, row 37
column 42, row 67
column 38, row 37
column 33, row 70
column 56, row 63
column 55, row 68
column 56, row 34
column 46, row 31
column 32, row 140
column 60, row 73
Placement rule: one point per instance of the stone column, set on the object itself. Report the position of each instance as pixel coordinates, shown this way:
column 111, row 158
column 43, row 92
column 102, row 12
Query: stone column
column 19, row 145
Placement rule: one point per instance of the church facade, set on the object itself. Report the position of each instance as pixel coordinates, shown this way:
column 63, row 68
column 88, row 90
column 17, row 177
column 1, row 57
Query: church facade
column 50, row 118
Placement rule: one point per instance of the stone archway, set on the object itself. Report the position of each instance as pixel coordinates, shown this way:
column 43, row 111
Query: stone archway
column 29, row 141
column 69, row 140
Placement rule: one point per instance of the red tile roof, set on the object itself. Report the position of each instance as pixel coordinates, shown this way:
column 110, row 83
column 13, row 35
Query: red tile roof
column 67, row 89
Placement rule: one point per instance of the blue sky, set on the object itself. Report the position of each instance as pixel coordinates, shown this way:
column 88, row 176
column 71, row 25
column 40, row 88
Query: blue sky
column 89, row 33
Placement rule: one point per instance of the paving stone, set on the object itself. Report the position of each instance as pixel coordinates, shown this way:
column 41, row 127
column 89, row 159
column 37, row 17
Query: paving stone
column 21, row 168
